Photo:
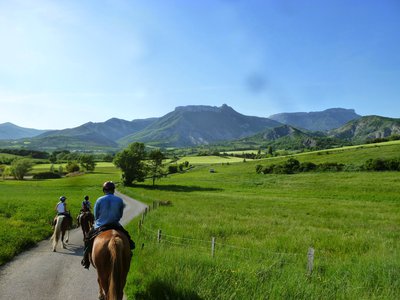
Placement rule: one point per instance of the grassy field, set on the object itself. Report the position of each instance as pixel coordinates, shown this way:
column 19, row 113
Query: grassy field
column 201, row 160
column 27, row 207
column 264, row 226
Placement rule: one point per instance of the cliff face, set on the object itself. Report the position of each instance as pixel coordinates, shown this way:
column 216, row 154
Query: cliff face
column 317, row 121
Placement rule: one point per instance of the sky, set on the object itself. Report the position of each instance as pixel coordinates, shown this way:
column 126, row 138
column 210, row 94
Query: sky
column 65, row 63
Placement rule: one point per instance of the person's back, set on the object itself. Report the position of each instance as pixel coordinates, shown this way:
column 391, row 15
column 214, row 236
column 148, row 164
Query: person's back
column 86, row 205
column 108, row 209
column 60, row 207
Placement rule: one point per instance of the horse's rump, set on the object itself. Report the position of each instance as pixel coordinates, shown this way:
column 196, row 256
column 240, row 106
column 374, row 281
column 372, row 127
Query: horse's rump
column 63, row 224
column 111, row 257
column 86, row 220
column 58, row 227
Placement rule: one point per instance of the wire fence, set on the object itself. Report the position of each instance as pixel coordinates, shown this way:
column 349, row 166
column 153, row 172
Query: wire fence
column 216, row 248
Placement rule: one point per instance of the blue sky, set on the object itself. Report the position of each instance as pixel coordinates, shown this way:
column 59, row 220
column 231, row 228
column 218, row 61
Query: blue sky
column 64, row 63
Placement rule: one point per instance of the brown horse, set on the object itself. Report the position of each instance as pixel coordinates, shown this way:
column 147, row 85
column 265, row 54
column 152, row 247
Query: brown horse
column 86, row 221
column 111, row 257
column 63, row 224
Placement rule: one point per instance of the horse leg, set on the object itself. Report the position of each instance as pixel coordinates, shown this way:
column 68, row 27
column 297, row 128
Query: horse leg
column 102, row 296
column 62, row 239
column 67, row 239
column 55, row 241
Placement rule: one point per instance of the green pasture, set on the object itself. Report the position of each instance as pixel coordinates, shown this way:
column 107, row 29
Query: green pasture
column 239, row 152
column 27, row 207
column 201, row 160
column 355, row 155
column 264, row 226
column 46, row 167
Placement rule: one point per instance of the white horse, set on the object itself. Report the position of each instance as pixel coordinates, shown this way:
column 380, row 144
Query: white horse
column 63, row 224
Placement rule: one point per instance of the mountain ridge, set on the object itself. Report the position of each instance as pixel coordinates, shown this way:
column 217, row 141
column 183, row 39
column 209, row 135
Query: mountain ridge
column 317, row 121
column 196, row 125
column 9, row 130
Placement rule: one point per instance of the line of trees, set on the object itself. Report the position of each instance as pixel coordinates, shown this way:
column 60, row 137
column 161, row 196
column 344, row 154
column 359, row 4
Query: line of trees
column 292, row 166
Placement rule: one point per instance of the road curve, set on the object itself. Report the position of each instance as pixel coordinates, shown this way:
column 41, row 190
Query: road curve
column 42, row 274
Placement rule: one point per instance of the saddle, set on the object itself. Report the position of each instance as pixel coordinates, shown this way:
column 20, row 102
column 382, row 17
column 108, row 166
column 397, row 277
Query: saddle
column 95, row 232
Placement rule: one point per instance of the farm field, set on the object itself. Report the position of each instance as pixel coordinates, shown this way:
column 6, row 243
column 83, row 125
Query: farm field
column 263, row 227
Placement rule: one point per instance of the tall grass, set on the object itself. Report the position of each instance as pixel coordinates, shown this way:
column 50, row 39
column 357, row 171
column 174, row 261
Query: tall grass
column 264, row 225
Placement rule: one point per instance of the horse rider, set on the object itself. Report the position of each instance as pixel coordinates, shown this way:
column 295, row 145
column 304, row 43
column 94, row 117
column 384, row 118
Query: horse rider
column 86, row 207
column 61, row 209
column 108, row 211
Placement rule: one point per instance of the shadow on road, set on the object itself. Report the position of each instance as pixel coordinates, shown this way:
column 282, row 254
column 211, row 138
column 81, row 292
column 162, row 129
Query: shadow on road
column 73, row 249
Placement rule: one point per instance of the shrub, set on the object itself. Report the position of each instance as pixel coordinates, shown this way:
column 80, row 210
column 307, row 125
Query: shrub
column 290, row 166
column 72, row 166
column 377, row 164
column 307, row 166
column 268, row 169
column 46, row 175
column 172, row 169
column 380, row 164
column 259, row 169
column 330, row 166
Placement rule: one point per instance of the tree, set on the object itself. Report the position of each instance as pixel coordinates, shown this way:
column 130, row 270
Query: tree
column 130, row 161
column 155, row 167
column 87, row 162
column 20, row 167
column 269, row 150
column 72, row 166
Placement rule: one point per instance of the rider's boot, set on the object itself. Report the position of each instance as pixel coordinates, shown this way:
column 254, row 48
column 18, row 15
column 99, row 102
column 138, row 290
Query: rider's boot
column 85, row 260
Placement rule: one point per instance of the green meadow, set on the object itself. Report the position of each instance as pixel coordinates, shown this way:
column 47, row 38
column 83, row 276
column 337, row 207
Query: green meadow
column 263, row 226
column 201, row 160
column 27, row 206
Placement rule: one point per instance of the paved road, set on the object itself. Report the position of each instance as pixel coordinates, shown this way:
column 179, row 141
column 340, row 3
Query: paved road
column 42, row 274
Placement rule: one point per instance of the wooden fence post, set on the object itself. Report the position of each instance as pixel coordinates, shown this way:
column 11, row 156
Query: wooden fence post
column 159, row 235
column 140, row 225
column 310, row 264
column 212, row 246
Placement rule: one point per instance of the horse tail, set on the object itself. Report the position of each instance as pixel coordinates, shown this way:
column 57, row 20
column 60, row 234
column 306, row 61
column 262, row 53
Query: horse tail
column 116, row 247
column 57, row 231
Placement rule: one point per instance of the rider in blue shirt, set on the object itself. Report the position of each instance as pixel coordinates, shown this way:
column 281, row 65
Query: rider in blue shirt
column 108, row 211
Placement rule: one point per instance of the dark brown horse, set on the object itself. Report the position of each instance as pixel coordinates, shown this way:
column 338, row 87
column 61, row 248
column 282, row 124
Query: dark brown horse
column 63, row 225
column 86, row 221
column 111, row 257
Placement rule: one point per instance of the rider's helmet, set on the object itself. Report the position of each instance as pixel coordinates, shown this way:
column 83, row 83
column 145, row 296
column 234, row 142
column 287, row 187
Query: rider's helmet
column 86, row 198
column 63, row 198
column 108, row 186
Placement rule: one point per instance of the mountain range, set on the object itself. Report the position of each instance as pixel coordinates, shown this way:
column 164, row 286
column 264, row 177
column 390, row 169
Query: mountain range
column 195, row 125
